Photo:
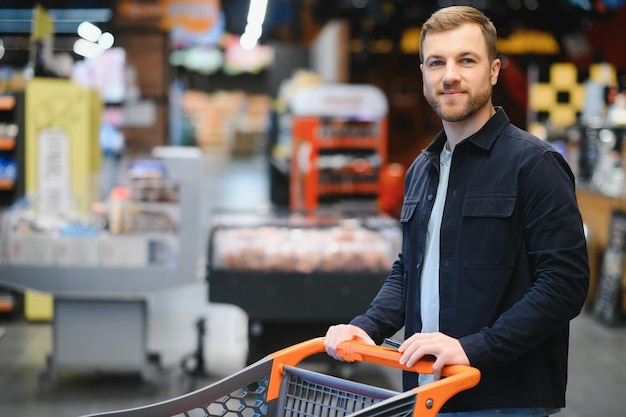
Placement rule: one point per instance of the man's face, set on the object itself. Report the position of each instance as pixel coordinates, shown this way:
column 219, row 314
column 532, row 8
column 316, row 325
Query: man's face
column 458, row 76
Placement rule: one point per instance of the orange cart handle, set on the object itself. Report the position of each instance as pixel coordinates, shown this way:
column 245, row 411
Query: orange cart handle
column 431, row 397
column 353, row 351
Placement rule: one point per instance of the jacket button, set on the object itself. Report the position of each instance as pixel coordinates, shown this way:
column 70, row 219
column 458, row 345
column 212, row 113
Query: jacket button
column 430, row 197
column 418, row 265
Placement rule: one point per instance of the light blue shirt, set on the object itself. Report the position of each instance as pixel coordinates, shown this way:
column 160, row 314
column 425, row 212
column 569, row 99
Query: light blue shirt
column 429, row 290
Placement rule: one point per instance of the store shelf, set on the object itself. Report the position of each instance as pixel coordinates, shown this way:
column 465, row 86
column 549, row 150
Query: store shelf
column 123, row 281
column 7, row 144
column 12, row 184
column 6, row 184
column 100, row 311
column 348, row 188
column 339, row 144
column 596, row 210
column 7, row 303
column 349, row 142
column 7, row 102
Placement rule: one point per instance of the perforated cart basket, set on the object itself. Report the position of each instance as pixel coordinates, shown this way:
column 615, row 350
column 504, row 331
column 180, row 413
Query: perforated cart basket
column 275, row 387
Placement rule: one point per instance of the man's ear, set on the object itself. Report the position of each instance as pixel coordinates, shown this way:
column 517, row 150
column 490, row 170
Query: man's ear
column 495, row 71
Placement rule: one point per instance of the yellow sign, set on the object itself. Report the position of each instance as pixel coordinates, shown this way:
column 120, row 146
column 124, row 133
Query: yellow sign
column 62, row 123
column 562, row 98
column 42, row 25
column 520, row 42
column 528, row 42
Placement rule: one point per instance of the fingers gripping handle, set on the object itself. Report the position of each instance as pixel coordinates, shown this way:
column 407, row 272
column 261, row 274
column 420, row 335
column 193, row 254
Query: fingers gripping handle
column 431, row 397
column 352, row 351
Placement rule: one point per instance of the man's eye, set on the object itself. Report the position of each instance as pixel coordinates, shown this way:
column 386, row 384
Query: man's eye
column 435, row 63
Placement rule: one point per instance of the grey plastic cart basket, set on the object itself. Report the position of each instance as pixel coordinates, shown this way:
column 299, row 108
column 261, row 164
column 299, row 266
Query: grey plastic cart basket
column 275, row 387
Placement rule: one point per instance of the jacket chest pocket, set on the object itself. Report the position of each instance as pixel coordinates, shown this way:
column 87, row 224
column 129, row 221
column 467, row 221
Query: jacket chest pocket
column 408, row 210
column 490, row 234
column 408, row 220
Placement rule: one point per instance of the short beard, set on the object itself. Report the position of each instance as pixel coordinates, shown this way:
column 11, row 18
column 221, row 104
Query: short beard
column 474, row 104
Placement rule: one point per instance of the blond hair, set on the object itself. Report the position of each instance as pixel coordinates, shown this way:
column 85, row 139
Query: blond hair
column 452, row 17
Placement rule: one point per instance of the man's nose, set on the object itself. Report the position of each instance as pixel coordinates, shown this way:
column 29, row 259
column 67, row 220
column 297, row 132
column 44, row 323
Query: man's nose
column 451, row 73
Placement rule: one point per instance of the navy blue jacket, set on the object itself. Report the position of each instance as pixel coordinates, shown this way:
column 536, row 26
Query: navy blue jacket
column 513, row 265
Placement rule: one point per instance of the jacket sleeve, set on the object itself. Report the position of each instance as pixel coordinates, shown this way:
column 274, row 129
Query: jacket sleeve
column 556, row 254
column 385, row 315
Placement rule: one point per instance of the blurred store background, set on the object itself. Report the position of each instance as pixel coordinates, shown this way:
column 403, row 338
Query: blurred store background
column 189, row 185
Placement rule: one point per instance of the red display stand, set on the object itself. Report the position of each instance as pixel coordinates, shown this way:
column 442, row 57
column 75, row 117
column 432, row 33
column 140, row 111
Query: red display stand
column 339, row 146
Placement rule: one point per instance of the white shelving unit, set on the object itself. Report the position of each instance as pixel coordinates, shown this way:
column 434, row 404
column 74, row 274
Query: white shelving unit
column 100, row 313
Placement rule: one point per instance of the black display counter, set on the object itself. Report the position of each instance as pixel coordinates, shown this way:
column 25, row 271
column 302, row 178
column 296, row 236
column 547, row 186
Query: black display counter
column 294, row 276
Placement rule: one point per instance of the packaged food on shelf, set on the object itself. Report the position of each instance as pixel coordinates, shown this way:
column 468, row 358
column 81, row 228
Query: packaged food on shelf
column 303, row 244
column 28, row 239
column 78, row 245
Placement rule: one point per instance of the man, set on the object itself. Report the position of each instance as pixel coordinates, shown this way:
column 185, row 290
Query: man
column 494, row 260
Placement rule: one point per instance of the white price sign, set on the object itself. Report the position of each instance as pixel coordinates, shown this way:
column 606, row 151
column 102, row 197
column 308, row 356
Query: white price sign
column 53, row 185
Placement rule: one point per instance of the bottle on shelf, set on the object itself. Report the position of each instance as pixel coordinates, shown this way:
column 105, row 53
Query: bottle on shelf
column 119, row 210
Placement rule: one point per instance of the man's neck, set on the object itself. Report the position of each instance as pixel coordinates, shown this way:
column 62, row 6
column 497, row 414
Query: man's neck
column 457, row 131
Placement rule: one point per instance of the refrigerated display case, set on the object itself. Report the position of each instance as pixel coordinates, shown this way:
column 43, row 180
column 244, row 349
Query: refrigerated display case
column 294, row 273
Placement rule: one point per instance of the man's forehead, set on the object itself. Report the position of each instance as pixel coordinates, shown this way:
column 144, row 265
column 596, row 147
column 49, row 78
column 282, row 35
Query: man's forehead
column 464, row 39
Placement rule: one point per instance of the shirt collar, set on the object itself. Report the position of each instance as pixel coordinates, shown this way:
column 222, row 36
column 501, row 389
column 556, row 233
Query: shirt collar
column 484, row 138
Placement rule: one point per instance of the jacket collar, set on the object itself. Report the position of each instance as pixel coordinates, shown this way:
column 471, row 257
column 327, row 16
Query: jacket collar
column 484, row 138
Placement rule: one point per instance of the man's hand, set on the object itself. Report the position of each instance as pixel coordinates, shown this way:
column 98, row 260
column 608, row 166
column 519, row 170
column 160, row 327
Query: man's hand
column 446, row 349
column 342, row 332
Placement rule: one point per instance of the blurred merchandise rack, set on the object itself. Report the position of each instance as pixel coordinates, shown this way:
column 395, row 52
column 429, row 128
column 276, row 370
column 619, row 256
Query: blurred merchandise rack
column 100, row 308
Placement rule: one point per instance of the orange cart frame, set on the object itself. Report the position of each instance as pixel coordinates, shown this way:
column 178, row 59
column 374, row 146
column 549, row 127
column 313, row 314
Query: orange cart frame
column 275, row 386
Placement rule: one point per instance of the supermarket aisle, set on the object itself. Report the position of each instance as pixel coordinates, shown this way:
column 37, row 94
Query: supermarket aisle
column 597, row 372
column 596, row 388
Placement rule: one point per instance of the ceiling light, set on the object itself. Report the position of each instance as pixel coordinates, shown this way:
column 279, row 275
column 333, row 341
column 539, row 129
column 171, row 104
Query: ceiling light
column 254, row 28
column 247, row 41
column 87, row 49
column 256, row 13
column 106, row 40
column 89, row 31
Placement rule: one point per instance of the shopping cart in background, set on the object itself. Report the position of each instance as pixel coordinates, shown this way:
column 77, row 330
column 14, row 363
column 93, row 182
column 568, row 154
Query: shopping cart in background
column 276, row 387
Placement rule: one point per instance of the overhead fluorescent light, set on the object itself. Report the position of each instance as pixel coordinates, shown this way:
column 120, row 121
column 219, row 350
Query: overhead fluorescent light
column 89, row 31
column 87, row 49
column 106, row 40
column 254, row 28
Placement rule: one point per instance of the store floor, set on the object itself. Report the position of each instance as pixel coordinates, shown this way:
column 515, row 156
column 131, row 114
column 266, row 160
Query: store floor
column 597, row 380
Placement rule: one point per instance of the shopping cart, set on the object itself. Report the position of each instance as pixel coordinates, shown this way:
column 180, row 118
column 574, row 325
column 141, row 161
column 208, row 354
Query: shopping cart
column 275, row 387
